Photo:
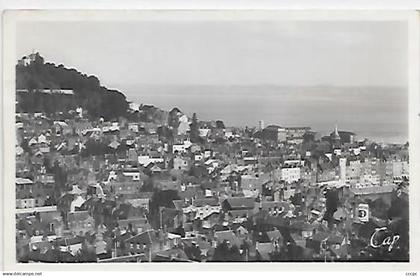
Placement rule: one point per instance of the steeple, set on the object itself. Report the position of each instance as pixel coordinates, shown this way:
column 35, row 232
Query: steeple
column 336, row 139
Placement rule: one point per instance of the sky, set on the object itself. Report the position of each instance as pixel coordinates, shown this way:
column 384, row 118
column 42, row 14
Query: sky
column 288, row 53
column 282, row 72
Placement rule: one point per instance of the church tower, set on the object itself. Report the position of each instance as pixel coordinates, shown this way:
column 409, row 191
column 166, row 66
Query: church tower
column 335, row 138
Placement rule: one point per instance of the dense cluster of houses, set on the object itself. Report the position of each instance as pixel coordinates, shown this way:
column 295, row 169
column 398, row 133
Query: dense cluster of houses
column 132, row 191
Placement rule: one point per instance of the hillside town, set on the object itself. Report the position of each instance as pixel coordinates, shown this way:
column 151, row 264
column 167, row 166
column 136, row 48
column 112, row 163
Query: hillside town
column 192, row 191
column 157, row 186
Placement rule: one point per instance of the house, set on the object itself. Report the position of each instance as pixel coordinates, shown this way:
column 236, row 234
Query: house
column 80, row 127
column 124, row 185
column 146, row 159
column 35, row 228
column 202, row 208
column 204, row 132
column 71, row 245
column 134, row 127
column 208, row 153
column 30, row 194
column 62, row 128
column 173, row 240
column 171, row 255
column 41, row 244
column 114, row 145
column 271, row 221
column 44, row 147
column 147, row 242
column 126, row 211
column 139, row 201
column 165, row 182
column 290, row 173
column 238, row 209
column 275, row 208
column 227, row 236
column 132, row 154
column 264, row 250
column 101, row 248
column 303, row 228
column 181, row 163
column 209, row 220
column 132, row 173
column 77, row 203
column 138, row 224
column 181, row 148
column 33, row 141
column 238, row 203
column 37, row 159
column 80, row 222
column 198, row 157
column 254, row 182
column 250, row 159
column 241, row 232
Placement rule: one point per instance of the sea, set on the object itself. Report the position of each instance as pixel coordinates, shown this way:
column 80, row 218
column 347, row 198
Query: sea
column 376, row 113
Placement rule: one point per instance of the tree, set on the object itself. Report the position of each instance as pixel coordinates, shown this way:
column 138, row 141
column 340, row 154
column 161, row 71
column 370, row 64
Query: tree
column 87, row 254
column 165, row 134
column 161, row 199
column 60, row 179
column 331, row 205
column 220, row 124
column 193, row 252
column 63, row 205
column 173, row 118
column 226, row 253
column 147, row 185
column 194, row 132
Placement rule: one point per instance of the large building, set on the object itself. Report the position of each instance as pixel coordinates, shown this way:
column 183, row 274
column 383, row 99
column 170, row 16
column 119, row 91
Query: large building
column 296, row 132
column 274, row 133
column 290, row 173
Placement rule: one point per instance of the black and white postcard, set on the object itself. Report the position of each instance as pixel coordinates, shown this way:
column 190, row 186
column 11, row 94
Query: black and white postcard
column 206, row 137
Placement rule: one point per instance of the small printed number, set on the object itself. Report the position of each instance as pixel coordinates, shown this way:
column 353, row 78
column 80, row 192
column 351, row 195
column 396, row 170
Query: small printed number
column 411, row 274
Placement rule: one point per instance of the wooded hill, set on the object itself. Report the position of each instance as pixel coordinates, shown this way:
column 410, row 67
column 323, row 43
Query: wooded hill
column 88, row 92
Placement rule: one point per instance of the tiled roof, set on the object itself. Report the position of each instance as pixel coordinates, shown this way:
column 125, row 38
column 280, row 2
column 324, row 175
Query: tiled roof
column 147, row 237
column 227, row 236
column 241, row 202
